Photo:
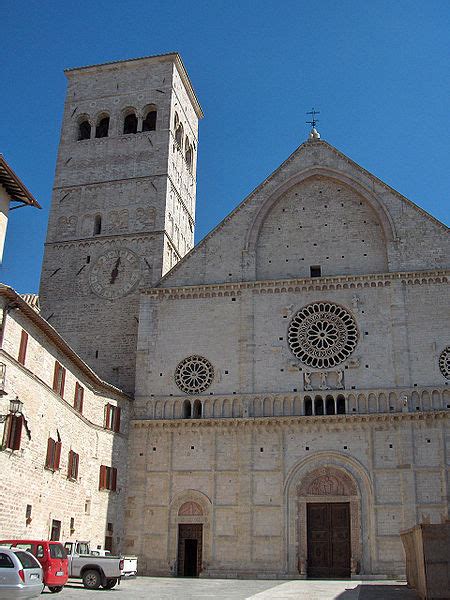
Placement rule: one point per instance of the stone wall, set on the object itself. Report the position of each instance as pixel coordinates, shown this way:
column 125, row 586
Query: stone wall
column 247, row 476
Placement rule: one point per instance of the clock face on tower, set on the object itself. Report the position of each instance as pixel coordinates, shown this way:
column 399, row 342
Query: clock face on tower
column 115, row 273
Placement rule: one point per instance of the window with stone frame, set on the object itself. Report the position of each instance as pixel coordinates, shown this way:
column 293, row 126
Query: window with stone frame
column 112, row 417
column 72, row 466
column 59, row 379
column 23, row 347
column 13, row 432
column 108, row 478
column 78, row 398
column 53, row 456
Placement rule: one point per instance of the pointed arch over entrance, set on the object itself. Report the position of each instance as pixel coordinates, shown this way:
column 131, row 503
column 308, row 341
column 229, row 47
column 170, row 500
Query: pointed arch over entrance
column 189, row 533
column 329, row 512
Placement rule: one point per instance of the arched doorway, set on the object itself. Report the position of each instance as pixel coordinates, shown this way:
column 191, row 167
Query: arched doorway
column 356, row 489
column 190, row 541
column 189, row 533
column 329, row 524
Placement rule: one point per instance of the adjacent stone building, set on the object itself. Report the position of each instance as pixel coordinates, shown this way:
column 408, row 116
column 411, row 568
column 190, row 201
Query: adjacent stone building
column 290, row 374
column 63, row 462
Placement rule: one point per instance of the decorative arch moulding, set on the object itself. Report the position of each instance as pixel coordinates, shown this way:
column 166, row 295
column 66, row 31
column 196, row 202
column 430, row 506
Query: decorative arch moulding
column 384, row 217
column 338, row 282
column 319, row 422
column 102, row 240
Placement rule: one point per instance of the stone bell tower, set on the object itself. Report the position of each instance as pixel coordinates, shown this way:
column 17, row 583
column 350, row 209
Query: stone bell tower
column 123, row 205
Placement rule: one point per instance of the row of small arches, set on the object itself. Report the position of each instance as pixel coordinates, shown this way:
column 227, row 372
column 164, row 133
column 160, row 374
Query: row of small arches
column 100, row 127
column 308, row 405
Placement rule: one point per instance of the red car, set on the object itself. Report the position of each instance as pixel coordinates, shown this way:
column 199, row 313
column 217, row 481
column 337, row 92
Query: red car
column 53, row 559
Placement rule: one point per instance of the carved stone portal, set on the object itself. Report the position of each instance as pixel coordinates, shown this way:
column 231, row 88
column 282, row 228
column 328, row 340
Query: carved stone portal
column 328, row 484
column 327, row 481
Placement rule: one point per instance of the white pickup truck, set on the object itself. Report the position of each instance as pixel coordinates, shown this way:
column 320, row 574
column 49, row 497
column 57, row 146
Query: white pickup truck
column 95, row 571
column 129, row 562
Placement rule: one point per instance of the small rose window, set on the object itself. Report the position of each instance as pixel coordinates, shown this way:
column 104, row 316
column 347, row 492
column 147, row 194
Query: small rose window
column 444, row 362
column 194, row 374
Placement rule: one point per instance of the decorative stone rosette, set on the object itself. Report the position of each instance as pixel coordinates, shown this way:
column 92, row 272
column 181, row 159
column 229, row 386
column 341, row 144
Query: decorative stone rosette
column 194, row 374
column 322, row 335
column 444, row 362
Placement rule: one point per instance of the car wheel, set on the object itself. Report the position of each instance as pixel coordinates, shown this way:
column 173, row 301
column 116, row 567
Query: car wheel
column 92, row 579
column 55, row 588
column 110, row 583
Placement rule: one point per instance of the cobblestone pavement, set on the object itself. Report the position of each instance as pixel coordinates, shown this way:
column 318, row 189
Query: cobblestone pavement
column 165, row 588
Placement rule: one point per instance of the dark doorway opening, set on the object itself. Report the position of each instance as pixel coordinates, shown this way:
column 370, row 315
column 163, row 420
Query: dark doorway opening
column 190, row 558
column 328, row 533
column 189, row 550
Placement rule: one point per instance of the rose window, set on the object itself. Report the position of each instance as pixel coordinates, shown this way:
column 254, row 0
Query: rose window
column 444, row 362
column 322, row 335
column 194, row 374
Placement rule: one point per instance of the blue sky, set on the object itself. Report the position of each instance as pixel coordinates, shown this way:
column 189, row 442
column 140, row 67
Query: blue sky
column 378, row 71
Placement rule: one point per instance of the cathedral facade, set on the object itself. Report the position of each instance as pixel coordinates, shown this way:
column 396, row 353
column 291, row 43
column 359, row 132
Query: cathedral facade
column 290, row 372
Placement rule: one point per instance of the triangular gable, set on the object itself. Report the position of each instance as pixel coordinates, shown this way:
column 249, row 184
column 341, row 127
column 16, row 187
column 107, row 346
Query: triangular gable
column 311, row 154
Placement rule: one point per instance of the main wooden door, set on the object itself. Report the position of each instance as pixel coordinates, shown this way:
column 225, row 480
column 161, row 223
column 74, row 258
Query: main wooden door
column 328, row 531
column 189, row 550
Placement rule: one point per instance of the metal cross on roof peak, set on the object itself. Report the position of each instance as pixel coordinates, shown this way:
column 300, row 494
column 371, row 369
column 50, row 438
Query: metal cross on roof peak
column 313, row 121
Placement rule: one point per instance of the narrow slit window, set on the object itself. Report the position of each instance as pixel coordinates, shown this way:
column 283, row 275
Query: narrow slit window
column 97, row 225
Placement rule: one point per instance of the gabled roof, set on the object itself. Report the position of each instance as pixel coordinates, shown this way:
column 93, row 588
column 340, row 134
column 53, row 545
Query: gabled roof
column 21, row 303
column 14, row 186
column 308, row 144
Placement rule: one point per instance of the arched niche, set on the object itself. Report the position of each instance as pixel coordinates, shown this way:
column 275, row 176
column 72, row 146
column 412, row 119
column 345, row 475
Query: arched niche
column 190, row 507
column 329, row 477
column 295, row 250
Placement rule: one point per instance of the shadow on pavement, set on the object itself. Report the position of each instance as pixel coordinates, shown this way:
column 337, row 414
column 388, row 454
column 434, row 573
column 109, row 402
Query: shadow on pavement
column 379, row 592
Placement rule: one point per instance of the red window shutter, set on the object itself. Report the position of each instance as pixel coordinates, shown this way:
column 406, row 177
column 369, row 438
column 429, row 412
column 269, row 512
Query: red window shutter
column 102, row 483
column 113, row 479
column 8, row 430
column 76, row 462
column 78, row 400
column 23, row 347
column 107, row 416
column 117, row 420
column 57, row 455
column 50, row 453
column 63, row 380
column 70, row 465
column 56, row 376
column 14, row 432
column 18, row 422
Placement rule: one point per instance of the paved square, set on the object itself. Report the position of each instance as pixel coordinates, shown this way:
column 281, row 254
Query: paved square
column 167, row 588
